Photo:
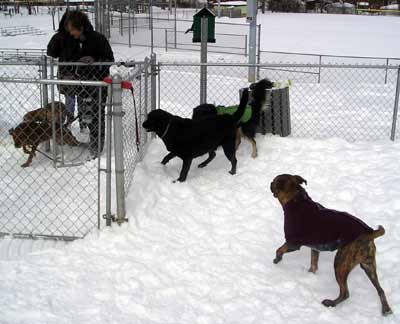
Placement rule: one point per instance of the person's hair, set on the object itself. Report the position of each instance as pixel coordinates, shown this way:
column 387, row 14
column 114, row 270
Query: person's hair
column 78, row 20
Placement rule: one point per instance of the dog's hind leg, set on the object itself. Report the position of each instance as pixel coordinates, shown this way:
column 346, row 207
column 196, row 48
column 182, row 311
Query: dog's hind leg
column 369, row 266
column 185, row 169
column 230, row 153
column 238, row 139
column 168, row 158
column 344, row 263
column 211, row 156
column 254, row 152
column 314, row 261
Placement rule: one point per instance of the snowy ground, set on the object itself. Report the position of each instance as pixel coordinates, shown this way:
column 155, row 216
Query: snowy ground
column 202, row 251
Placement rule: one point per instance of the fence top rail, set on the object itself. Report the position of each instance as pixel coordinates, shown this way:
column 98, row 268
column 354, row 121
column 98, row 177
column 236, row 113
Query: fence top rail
column 182, row 20
column 183, row 32
column 287, row 65
column 56, row 63
column 55, row 82
column 332, row 55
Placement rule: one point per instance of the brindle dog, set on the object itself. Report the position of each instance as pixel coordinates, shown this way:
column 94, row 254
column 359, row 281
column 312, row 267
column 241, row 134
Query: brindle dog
column 46, row 115
column 360, row 251
column 29, row 135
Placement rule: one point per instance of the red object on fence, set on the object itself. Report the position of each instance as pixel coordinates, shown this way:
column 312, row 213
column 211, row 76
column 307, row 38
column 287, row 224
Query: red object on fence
column 124, row 84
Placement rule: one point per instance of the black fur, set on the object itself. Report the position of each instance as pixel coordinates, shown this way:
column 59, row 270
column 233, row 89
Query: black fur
column 257, row 100
column 187, row 138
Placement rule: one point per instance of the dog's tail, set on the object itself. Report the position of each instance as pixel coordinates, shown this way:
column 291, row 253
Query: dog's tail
column 374, row 234
column 242, row 106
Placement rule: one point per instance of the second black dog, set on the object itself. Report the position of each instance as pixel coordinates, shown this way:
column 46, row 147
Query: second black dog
column 247, row 126
column 187, row 139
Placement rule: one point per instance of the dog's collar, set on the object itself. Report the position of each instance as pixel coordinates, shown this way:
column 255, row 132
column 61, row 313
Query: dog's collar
column 166, row 131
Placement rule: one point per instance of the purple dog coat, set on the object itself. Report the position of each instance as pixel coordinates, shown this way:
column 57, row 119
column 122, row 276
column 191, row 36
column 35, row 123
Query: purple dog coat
column 309, row 223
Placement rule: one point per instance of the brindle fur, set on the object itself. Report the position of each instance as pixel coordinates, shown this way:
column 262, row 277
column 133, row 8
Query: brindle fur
column 361, row 251
column 29, row 135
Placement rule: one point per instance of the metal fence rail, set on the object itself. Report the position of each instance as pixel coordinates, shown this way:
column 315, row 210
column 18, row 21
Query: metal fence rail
column 352, row 102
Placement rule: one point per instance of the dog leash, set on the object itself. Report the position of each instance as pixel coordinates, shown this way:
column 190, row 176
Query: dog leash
column 136, row 120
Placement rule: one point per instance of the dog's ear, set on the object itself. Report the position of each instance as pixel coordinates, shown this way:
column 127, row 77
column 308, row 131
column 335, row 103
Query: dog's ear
column 11, row 131
column 300, row 179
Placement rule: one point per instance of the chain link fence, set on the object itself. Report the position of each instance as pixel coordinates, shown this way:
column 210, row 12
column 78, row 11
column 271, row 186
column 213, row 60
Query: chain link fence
column 348, row 101
column 60, row 195
column 47, row 190
column 56, row 126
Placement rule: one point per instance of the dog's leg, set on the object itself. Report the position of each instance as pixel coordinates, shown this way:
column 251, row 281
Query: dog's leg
column 211, row 156
column 229, row 150
column 167, row 158
column 344, row 263
column 31, row 155
column 185, row 169
column 238, row 139
column 254, row 152
column 369, row 266
column 314, row 261
column 285, row 248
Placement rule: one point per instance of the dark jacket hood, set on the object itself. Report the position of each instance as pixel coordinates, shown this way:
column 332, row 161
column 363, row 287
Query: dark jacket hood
column 61, row 26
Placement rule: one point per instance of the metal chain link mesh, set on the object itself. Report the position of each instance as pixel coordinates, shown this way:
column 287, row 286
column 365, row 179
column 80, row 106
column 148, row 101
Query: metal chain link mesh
column 55, row 193
column 349, row 102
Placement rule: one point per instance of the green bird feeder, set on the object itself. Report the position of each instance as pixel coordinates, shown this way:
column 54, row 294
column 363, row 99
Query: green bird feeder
column 210, row 25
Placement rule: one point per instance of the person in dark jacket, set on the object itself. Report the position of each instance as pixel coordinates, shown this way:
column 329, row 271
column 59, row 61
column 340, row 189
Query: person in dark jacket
column 65, row 48
column 93, row 47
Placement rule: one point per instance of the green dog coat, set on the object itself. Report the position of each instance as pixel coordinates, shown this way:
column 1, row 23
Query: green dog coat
column 230, row 110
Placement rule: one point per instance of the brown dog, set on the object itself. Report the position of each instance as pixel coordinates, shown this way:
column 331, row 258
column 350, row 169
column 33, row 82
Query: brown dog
column 45, row 114
column 29, row 135
column 309, row 223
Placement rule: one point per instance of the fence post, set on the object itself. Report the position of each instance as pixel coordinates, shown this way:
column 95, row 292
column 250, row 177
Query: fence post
column 259, row 51
column 159, row 85
column 145, row 71
column 396, row 106
column 166, row 40
column 203, row 61
column 45, row 92
column 245, row 45
column 129, row 25
column 118, row 148
column 386, row 70
column 319, row 69
column 153, row 81
column 108, row 216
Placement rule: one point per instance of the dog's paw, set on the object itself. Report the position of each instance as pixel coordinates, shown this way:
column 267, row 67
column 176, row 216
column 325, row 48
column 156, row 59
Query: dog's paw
column 232, row 172
column 277, row 259
column 25, row 165
column 386, row 310
column 202, row 165
column 328, row 303
column 313, row 270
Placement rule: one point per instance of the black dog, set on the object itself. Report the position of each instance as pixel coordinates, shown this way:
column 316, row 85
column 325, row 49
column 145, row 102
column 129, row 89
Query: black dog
column 187, row 138
column 247, row 128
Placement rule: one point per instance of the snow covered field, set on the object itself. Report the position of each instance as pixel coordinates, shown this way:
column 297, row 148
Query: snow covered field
column 201, row 252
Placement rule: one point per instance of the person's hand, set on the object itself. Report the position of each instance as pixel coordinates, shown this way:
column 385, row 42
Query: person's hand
column 86, row 59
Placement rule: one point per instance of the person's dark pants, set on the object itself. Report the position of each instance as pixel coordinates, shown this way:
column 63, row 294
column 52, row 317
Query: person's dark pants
column 93, row 115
